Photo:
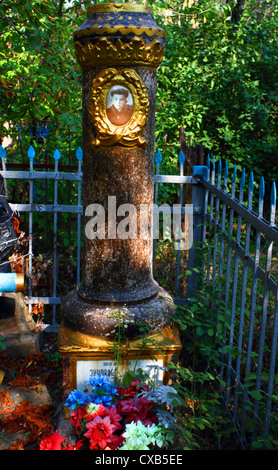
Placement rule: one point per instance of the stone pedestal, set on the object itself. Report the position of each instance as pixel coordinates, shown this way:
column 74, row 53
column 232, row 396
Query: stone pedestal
column 85, row 355
column 119, row 48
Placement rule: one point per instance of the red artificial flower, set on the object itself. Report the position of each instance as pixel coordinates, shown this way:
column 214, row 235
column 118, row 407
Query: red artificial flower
column 116, row 442
column 115, row 417
column 137, row 410
column 77, row 416
column 99, row 432
column 121, row 391
column 52, row 442
column 132, row 390
column 94, row 410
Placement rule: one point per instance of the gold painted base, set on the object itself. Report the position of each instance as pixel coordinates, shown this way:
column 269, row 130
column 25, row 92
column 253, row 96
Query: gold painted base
column 75, row 348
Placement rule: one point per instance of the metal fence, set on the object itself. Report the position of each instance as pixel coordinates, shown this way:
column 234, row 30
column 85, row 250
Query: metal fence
column 32, row 207
column 242, row 260
column 240, row 265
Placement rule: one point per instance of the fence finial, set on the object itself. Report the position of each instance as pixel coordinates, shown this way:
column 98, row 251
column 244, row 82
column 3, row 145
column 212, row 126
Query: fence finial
column 226, row 169
column 56, row 155
column 31, row 153
column 2, row 152
column 273, row 194
column 242, row 179
column 208, row 161
column 261, row 188
column 158, row 157
column 79, row 153
column 181, row 158
column 251, row 181
column 234, row 174
column 219, row 166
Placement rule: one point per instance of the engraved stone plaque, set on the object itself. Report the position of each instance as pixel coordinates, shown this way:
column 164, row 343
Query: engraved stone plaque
column 87, row 368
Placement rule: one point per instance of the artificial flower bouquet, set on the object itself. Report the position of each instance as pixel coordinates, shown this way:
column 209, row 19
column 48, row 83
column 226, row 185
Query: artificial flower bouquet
column 138, row 415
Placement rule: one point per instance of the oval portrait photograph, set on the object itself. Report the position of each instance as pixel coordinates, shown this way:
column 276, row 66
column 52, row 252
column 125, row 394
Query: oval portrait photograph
column 119, row 105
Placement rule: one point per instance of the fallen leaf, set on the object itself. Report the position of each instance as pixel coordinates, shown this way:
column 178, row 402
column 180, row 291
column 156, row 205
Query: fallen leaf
column 24, row 382
column 6, row 403
column 19, row 445
column 34, row 421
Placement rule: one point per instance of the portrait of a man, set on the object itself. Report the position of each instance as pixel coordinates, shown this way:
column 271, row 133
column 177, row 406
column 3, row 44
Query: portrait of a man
column 119, row 105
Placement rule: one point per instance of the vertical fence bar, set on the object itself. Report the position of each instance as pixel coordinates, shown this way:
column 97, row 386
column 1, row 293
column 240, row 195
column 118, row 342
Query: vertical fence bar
column 181, row 160
column 264, row 315
column 79, row 156
column 274, row 334
column 234, row 291
column 31, row 155
column 194, row 260
column 56, row 158
column 271, row 380
column 158, row 160
column 253, row 308
column 206, row 205
column 217, row 207
column 229, row 258
column 211, row 217
column 223, row 221
column 202, row 221
column 243, row 297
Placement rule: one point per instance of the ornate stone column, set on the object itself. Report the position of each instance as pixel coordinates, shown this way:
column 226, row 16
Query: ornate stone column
column 119, row 48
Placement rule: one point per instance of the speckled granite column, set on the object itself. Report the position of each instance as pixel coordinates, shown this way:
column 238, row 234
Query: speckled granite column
column 119, row 48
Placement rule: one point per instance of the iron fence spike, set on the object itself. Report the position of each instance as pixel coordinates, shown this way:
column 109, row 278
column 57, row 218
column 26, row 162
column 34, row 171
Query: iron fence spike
column 273, row 194
column 262, row 188
column 181, row 157
column 31, row 153
column 251, row 181
column 2, row 152
column 234, row 174
column 242, row 180
column 79, row 153
column 57, row 154
column 158, row 157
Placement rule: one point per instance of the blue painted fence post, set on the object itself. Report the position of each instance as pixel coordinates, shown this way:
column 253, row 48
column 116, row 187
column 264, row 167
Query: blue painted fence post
column 194, row 260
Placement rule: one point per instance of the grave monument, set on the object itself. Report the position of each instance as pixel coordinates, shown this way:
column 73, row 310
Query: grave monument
column 119, row 47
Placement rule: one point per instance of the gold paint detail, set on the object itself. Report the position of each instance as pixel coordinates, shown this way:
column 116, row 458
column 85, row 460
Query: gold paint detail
column 122, row 29
column 77, row 346
column 74, row 343
column 108, row 134
column 119, row 7
column 105, row 52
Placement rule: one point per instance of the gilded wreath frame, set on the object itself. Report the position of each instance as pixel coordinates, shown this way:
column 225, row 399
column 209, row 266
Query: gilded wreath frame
column 108, row 134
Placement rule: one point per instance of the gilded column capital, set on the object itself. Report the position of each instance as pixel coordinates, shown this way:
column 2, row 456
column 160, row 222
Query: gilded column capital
column 119, row 34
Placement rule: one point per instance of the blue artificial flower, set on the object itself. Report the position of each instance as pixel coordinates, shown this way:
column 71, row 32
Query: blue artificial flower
column 102, row 382
column 77, row 398
column 104, row 399
column 98, row 380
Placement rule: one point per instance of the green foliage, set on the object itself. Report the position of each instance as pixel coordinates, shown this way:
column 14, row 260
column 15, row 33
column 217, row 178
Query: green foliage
column 203, row 421
column 40, row 79
column 218, row 80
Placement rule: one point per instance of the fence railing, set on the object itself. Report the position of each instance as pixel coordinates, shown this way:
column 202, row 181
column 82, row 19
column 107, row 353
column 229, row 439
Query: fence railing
column 241, row 259
column 32, row 207
column 55, row 208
